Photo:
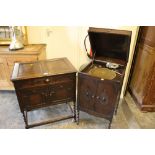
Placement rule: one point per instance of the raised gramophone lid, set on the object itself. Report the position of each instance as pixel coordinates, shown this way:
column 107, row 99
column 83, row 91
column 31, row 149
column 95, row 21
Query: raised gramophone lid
column 103, row 73
column 110, row 43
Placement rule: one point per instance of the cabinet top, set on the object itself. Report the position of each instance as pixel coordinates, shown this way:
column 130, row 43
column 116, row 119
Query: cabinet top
column 42, row 68
column 28, row 49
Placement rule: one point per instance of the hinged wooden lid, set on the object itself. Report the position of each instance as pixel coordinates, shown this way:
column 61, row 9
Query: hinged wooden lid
column 110, row 44
column 42, row 68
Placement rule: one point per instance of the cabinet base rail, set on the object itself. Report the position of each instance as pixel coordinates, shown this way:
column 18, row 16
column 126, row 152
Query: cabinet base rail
column 73, row 115
column 48, row 122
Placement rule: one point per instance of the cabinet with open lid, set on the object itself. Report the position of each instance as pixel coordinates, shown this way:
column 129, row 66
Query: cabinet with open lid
column 100, row 82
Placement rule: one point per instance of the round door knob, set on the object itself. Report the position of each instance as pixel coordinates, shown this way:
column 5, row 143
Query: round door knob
column 93, row 96
column 103, row 99
column 97, row 97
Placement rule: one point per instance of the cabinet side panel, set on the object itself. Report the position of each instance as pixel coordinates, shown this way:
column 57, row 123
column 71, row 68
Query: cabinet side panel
column 139, row 85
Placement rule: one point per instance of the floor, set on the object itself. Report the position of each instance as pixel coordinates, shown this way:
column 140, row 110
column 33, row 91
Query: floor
column 128, row 116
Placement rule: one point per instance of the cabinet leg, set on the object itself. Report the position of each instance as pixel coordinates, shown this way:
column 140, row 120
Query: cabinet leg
column 78, row 111
column 109, row 126
column 25, row 119
column 116, row 108
column 74, row 111
column 115, row 113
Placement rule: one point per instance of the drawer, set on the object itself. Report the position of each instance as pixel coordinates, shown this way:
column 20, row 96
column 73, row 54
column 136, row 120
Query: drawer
column 63, row 78
column 12, row 60
column 44, row 81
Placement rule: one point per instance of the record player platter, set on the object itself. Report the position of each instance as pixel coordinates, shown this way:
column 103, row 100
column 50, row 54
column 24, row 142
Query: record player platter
column 103, row 73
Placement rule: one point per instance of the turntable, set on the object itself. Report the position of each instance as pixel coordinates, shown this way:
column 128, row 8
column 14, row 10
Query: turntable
column 100, row 81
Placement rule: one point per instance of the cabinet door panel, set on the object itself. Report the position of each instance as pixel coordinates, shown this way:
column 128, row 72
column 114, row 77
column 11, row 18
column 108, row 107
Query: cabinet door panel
column 86, row 91
column 61, row 91
column 34, row 97
column 105, row 99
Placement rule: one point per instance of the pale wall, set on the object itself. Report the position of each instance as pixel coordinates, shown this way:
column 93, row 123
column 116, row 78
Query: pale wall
column 68, row 42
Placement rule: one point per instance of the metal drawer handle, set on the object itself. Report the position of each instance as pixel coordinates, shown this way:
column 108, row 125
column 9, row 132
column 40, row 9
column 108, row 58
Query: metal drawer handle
column 47, row 80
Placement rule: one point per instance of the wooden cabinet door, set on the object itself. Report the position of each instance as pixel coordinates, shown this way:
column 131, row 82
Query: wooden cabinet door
column 142, row 79
column 86, row 92
column 34, row 97
column 105, row 99
column 4, row 76
column 62, row 91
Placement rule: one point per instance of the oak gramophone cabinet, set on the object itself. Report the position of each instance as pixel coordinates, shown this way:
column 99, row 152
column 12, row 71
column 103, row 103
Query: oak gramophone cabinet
column 100, row 82
column 45, row 83
column 49, row 82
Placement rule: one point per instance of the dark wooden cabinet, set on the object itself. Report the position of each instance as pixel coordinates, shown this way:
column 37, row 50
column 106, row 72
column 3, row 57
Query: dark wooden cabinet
column 100, row 82
column 142, row 84
column 44, row 83
column 97, row 96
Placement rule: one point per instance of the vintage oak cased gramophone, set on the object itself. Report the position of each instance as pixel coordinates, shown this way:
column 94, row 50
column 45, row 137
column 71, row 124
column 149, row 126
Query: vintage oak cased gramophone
column 100, row 82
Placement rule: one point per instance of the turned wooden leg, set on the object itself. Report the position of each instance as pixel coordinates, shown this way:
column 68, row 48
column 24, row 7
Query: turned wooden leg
column 74, row 111
column 78, row 111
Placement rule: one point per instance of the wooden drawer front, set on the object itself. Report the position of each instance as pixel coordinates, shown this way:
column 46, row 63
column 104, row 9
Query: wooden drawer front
column 63, row 78
column 14, row 59
column 62, row 91
column 44, row 81
column 32, row 98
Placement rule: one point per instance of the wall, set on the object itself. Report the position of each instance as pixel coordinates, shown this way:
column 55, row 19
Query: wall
column 68, row 42
column 61, row 41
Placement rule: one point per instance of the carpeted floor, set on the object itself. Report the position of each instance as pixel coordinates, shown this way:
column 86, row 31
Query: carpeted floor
column 128, row 116
column 11, row 117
